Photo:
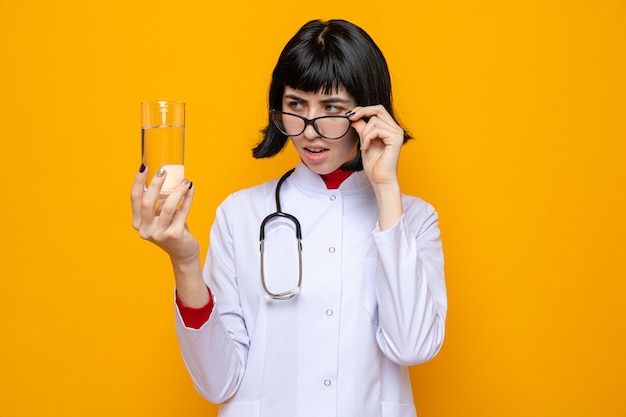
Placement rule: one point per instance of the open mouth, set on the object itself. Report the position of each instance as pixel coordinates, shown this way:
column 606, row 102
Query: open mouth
column 316, row 150
column 315, row 155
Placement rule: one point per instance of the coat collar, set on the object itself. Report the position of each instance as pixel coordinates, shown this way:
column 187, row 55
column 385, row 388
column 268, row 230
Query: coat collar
column 310, row 182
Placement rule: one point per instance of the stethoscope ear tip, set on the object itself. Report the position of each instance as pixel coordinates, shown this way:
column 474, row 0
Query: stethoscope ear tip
column 268, row 298
column 296, row 291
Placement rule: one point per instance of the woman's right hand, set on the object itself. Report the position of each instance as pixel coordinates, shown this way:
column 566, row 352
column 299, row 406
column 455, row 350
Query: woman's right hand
column 165, row 223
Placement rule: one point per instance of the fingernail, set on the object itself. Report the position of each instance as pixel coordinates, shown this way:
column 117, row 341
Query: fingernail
column 190, row 184
column 350, row 113
column 185, row 181
column 160, row 172
column 142, row 168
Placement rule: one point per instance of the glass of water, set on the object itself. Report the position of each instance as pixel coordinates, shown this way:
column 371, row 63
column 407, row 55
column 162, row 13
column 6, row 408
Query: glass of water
column 163, row 141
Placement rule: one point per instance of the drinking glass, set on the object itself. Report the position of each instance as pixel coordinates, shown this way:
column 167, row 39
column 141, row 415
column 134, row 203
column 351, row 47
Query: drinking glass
column 163, row 141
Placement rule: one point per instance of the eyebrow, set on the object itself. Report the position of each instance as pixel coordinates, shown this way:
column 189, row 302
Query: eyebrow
column 326, row 100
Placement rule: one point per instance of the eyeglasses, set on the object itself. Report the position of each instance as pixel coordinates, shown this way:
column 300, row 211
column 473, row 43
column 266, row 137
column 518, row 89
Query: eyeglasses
column 328, row 127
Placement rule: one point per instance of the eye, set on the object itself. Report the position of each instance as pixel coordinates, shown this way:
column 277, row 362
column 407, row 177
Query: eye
column 334, row 109
column 295, row 105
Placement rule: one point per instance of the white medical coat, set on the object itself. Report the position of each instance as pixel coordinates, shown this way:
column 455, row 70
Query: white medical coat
column 372, row 303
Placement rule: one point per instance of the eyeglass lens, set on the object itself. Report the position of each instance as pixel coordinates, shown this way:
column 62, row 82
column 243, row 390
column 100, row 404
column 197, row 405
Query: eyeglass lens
column 329, row 127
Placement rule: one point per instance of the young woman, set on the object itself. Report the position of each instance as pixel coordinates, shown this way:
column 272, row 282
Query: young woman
column 345, row 287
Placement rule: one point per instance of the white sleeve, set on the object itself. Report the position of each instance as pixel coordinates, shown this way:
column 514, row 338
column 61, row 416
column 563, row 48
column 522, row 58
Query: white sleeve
column 410, row 286
column 215, row 355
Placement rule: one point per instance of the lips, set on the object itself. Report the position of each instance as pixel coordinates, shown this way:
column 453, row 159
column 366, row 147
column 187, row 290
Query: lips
column 315, row 150
column 315, row 155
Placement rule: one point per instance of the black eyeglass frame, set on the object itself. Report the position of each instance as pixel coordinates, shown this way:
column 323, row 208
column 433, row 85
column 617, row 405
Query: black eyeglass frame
column 308, row 122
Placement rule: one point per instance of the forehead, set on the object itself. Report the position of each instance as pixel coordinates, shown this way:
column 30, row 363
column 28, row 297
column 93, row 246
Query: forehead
column 336, row 94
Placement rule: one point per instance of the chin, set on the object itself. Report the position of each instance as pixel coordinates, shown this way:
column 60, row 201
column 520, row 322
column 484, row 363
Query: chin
column 321, row 169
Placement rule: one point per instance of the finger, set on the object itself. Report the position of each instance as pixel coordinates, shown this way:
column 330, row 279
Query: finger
column 361, row 128
column 373, row 130
column 169, row 209
column 387, row 135
column 368, row 112
column 157, row 181
column 136, row 194
column 367, row 119
column 376, row 113
column 180, row 218
column 357, row 122
column 150, row 197
column 379, row 129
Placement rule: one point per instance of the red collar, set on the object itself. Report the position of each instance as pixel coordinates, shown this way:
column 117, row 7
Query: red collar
column 334, row 179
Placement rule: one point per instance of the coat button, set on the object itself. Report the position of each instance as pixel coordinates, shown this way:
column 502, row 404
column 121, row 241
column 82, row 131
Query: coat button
column 327, row 382
column 329, row 312
column 331, row 250
column 333, row 197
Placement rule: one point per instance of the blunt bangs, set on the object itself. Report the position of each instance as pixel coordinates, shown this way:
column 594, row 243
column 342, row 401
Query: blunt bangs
column 309, row 69
column 326, row 55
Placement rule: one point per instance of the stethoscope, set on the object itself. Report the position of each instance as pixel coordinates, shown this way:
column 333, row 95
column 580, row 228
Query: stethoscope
column 285, row 295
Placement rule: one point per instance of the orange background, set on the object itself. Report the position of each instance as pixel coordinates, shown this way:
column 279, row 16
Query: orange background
column 518, row 110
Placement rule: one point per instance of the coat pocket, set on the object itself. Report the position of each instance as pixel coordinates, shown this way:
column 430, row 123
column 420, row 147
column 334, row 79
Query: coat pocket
column 398, row 409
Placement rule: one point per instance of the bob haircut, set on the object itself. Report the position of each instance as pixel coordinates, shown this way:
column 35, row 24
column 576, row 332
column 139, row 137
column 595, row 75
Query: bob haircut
column 321, row 57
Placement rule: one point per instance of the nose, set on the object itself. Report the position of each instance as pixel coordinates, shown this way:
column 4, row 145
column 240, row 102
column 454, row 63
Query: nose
column 309, row 131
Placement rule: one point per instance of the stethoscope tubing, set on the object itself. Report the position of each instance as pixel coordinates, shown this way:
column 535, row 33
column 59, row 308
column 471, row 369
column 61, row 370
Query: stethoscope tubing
column 285, row 295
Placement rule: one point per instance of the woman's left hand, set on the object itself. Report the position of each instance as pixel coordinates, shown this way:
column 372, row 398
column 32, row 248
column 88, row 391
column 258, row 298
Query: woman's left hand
column 381, row 142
